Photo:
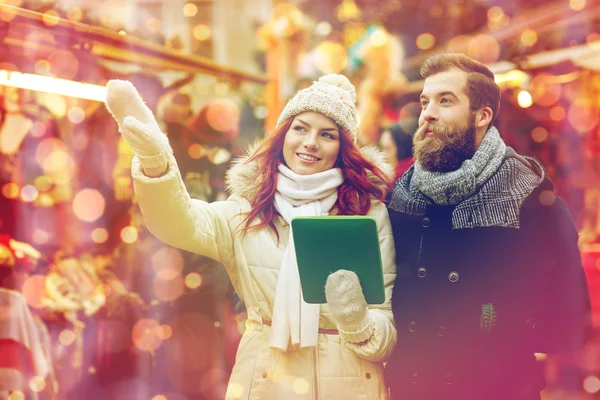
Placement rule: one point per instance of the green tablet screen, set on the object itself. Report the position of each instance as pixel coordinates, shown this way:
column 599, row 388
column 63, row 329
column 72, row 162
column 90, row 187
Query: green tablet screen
column 329, row 243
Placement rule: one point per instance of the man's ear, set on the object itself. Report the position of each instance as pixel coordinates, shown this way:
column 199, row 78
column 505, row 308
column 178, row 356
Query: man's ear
column 484, row 117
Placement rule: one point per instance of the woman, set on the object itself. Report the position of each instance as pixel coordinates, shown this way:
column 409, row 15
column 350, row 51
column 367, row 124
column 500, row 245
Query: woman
column 310, row 165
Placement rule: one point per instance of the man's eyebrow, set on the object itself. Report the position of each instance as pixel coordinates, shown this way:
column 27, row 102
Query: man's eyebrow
column 440, row 94
column 322, row 129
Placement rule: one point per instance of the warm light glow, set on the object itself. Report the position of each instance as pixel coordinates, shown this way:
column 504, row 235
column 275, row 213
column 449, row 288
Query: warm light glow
column 129, row 234
column 524, row 99
column 10, row 190
column 145, row 336
column 99, row 235
column 539, row 134
column 51, row 18
column 591, row 384
column 330, row 57
column 159, row 397
column 529, row 37
column 37, row 384
column 29, row 193
column 16, row 395
column 52, row 85
column 577, row 5
column 557, row 113
column 583, row 115
column 66, row 337
column 323, row 28
column 201, row 32
column 88, row 205
column 425, row 41
column 513, row 78
column 33, row 290
column 495, row 14
column 76, row 115
column 193, row 280
column 190, row 10
column 40, row 236
column 164, row 332
column 234, row 390
column 168, row 290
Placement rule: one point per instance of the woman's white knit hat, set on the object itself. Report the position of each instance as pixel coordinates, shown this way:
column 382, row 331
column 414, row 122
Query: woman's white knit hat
column 332, row 95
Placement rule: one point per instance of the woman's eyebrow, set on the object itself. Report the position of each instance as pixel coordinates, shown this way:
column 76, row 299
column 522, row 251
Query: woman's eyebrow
column 322, row 129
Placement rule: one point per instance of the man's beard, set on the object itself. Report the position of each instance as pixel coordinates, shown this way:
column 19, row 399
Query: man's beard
column 446, row 149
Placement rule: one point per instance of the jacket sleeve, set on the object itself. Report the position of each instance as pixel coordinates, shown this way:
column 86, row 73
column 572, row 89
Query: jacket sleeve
column 377, row 340
column 561, row 312
column 180, row 221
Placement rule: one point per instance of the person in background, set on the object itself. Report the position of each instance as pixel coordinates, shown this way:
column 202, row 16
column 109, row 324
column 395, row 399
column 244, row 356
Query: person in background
column 309, row 166
column 396, row 143
column 489, row 271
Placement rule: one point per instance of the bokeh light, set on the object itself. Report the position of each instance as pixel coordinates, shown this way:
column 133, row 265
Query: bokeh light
column 66, row 337
column 145, row 335
column 557, row 113
column 164, row 332
column 300, row 386
column 63, row 64
column 167, row 263
column 88, row 205
column 591, row 384
column 539, row 134
column 33, row 290
column 10, row 190
column 76, row 115
column 37, row 384
column 99, row 235
column 529, row 37
column 190, row 10
column 168, row 289
column 524, row 99
column 484, row 48
column 129, row 234
column 545, row 90
column 222, row 115
column 29, row 193
column 583, row 115
column 577, row 5
column 193, row 280
column 425, row 41
column 51, row 18
column 201, row 32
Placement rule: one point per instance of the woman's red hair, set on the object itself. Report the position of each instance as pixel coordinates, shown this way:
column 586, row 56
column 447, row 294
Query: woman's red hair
column 354, row 194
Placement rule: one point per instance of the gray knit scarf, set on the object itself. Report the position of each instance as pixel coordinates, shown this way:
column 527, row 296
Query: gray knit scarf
column 488, row 190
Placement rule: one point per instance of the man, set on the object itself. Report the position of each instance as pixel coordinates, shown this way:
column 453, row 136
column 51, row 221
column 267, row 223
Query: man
column 489, row 272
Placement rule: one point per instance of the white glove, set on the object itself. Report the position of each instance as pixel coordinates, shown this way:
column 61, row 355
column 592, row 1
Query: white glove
column 347, row 302
column 137, row 124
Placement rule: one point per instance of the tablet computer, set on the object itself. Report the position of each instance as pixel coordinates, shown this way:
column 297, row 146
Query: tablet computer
column 329, row 243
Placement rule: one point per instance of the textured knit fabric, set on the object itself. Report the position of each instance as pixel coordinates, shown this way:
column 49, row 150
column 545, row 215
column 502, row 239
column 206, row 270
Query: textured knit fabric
column 332, row 95
column 494, row 202
column 448, row 188
column 137, row 124
column 347, row 302
column 294, row 320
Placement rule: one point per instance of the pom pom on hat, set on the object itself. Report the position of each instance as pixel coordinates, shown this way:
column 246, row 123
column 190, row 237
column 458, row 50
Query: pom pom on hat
column 340, row 81
column 333, row 96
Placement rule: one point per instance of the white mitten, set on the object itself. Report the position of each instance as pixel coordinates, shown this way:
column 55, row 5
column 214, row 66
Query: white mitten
column 137, row 124
column 347, row 303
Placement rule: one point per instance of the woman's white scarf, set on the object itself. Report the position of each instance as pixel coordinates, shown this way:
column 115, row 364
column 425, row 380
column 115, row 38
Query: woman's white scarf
column 298, row 195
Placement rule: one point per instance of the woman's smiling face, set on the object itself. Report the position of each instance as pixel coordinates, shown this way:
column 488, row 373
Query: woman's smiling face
column 312, row 144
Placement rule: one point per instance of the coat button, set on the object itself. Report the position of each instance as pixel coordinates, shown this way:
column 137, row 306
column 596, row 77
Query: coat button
column 422, row 272
column 426, row 222
column 453, row 276
column 368, row 375
column 448, row 379
column 414, row 377
column 264, row 375
column 530, row 323
column 412, row 326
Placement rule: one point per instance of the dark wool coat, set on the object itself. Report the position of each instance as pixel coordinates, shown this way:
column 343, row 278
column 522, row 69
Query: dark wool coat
column 473, row 305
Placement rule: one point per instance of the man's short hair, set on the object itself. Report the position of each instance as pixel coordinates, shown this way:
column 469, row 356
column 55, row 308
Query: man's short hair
column 481, row 89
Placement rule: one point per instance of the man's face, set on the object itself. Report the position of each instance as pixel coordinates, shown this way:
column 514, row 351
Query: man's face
column 446, row 134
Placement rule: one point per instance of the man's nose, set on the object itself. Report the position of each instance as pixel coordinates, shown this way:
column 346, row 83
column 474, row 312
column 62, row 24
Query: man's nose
column 429, row 113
